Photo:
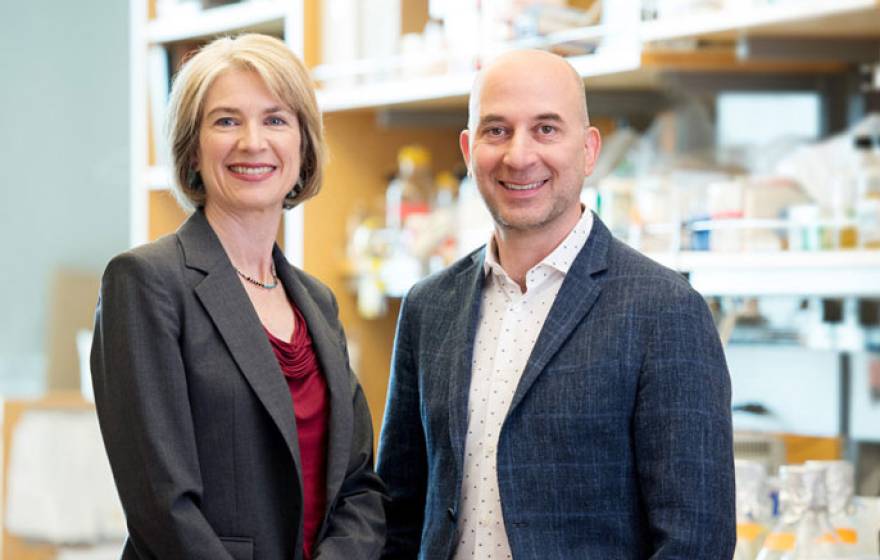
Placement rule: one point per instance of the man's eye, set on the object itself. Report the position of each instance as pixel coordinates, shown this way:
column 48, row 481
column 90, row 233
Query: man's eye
column 547, row 129
column 495, row 131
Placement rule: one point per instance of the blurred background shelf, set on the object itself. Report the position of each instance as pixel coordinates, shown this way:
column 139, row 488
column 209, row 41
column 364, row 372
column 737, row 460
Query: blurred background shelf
column 610, row 70
column 261, row 16
column 631, row 64
column 800, row 18
column 795, row 273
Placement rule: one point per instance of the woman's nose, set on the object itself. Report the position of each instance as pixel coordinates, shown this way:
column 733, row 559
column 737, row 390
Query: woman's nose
column 251, row 138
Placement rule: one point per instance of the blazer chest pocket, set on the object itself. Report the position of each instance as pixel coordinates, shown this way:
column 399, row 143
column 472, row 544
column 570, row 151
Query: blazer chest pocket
column 581, row 389
column 240, row 548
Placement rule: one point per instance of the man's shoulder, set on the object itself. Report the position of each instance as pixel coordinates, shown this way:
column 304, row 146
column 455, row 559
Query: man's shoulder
column 630, row 270
column 446, row 283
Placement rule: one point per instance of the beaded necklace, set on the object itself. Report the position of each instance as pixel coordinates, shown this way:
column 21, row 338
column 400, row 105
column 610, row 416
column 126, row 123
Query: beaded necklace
column 255, row 282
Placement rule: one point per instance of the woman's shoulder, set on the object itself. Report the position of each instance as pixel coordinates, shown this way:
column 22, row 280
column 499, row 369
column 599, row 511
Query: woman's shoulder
column 156, row 257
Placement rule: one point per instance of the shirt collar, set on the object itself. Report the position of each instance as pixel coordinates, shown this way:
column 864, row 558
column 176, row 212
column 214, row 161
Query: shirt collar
column 560, row 258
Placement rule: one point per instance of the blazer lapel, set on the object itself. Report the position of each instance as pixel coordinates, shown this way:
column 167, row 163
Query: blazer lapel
column 461, row 335
column 334, row 366
column 576, row 297
column 233, row 314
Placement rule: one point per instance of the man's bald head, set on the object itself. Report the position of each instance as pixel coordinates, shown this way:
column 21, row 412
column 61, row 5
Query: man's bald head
column 521, row 65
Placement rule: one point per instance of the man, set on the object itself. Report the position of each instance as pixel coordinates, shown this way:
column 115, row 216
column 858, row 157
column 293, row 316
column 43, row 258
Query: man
column 555, row 394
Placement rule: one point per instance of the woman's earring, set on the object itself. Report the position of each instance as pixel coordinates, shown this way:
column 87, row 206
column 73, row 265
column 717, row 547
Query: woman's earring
column 194, row 179
column 297, row 188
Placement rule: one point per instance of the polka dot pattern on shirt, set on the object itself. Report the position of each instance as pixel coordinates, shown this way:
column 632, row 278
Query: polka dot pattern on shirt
column 509, row 325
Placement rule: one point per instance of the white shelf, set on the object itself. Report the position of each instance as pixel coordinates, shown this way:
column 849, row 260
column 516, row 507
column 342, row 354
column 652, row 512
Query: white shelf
column 255, row 15
column 158, row 178
column 447, row 87
column 395, row 92
column 797, row 17
column 820, row 273
column 621, row 67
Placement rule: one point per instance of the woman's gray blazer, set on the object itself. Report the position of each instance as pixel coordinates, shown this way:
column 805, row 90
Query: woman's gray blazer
column 197, row 418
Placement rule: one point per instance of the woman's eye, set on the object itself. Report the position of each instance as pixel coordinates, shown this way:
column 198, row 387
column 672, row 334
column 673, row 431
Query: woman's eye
column 276, row 121
column 225, row 121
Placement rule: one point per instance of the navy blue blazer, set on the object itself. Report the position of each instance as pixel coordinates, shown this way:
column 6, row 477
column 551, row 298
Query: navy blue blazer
column 618, row 441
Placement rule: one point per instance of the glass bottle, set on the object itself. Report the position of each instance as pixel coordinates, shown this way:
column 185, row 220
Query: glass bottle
column 804, row 530
column 447, row 190
column 867, row 178
column 842, row 232
column 411, row 191
column 443, row 220
column 847, row 514
column 407, row 207
column 752, row 508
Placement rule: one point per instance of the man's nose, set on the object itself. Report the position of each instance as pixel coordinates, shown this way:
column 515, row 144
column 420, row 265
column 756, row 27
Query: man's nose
column 520, row 151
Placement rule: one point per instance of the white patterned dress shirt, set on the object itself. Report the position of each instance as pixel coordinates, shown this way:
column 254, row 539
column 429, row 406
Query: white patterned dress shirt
column 509, row 324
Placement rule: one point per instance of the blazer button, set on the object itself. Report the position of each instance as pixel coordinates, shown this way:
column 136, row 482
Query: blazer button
column 452, row 514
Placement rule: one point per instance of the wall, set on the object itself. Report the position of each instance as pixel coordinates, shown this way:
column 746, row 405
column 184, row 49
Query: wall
column 64, row 160
column 799, row 387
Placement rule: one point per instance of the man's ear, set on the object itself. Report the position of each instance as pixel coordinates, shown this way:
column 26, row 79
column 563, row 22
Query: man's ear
column 592, row 147
column 464, row 142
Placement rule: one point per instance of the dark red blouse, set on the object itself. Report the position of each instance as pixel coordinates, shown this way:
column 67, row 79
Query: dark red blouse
column 308, row 389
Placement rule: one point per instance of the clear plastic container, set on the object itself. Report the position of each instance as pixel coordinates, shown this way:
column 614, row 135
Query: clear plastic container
column 753, row 508
column 839, row 482
column 804, row 530
column 849, row 516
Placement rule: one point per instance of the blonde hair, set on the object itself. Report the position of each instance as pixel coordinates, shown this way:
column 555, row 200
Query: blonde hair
column 285, row 76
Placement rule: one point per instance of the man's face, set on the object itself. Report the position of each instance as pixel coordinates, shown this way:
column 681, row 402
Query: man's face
column 529, row 147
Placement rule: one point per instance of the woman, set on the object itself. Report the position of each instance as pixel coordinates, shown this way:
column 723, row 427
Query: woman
column 234, row 426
